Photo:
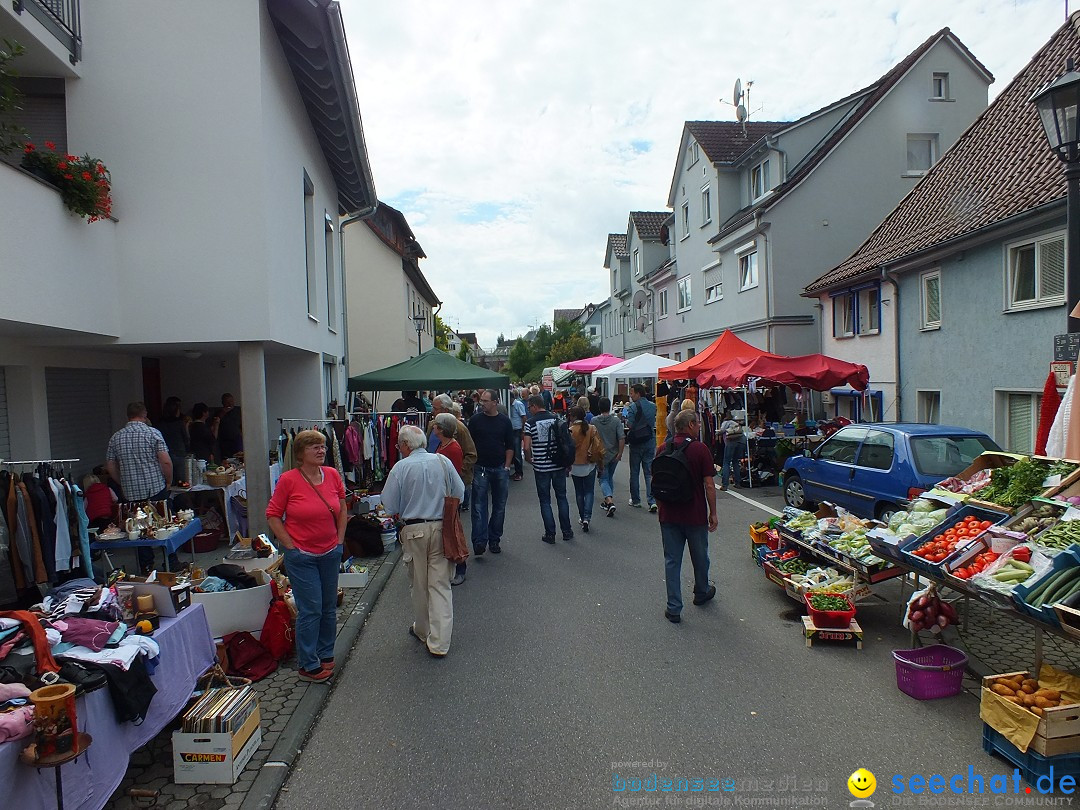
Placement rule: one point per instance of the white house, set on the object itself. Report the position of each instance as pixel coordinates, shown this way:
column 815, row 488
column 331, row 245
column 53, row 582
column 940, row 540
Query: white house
column 220, row 270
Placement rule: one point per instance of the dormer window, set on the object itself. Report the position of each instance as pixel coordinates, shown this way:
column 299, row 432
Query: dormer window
column 759, row 181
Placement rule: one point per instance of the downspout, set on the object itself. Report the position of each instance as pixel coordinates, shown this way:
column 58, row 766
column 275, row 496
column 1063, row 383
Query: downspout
column 886, row 276
column 766, row 272
column 358, row 216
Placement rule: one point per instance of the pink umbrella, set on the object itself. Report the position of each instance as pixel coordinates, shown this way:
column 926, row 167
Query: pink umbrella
column 588, row 365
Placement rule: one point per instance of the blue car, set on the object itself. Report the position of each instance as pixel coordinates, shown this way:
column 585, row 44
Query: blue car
column 872, row 470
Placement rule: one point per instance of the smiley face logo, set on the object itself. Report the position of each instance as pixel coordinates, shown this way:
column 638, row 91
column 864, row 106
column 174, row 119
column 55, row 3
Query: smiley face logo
column 862, row 784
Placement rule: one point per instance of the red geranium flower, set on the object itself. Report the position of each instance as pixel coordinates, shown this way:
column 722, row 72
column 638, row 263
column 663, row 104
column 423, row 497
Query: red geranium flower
column 50, row 145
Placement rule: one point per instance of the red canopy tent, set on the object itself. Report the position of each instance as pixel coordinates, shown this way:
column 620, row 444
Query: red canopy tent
column 588, row 365
column 817, row 372
column 724, row 348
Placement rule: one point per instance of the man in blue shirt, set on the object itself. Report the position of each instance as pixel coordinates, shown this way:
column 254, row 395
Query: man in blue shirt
column 493, row 436
column 641, row 436
column 518, row 414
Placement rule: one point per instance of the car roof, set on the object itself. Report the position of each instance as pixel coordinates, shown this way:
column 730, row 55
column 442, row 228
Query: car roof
column 920, row 429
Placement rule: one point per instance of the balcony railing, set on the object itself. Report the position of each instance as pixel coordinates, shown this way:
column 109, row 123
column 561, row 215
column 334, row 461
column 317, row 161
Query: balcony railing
column 61, row 18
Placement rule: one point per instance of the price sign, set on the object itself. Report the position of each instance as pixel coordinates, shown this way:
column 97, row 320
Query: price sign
column 1061, row 370
column 1066, row 347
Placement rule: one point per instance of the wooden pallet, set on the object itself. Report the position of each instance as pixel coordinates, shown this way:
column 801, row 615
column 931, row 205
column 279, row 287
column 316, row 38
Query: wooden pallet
column 852, row 632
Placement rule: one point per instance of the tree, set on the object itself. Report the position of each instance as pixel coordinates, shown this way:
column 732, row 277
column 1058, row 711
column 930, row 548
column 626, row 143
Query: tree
column 573, row 347
column 12, row 136
column 520, row 359
column 541, row 344
column 441, row 335
column 463, row 352
column 501, row 340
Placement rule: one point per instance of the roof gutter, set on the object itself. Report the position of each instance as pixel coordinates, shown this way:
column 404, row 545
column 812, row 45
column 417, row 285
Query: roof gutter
column 886, row 275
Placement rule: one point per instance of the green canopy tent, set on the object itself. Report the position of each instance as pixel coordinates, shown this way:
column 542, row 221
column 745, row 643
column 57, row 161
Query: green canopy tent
column 434, row 369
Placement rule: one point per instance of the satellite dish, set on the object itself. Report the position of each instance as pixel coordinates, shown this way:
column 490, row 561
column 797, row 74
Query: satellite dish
column 642, row 323
column 740, row 113
column 639, row 299
column 738, row 92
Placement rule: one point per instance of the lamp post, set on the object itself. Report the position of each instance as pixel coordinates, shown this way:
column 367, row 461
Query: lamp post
column 1058, row 105
column 419, row 318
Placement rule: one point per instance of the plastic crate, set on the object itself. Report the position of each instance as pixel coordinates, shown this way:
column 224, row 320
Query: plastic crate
column 831, row 618
column 961, row 513
column 1066, row 559
column 928, row 673
column 1031, row 765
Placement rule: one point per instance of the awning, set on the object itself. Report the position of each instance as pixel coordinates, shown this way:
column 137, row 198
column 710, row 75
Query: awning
column 724, row 348
column 588, row 365
column 817, row 372
column 434, row 369
column 643, row 366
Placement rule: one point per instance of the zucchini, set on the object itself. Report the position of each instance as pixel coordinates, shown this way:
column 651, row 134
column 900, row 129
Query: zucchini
column 1047, row 582
column 1065, row 579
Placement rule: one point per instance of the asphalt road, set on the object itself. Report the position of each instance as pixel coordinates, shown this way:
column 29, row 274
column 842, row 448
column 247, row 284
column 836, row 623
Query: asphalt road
column 565, row 680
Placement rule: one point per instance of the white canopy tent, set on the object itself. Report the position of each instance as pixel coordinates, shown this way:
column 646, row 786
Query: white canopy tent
column 641, row 367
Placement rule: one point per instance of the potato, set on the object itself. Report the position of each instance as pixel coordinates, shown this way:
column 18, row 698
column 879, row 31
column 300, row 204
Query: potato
column 1034, row 684
column 1043, row 703
column 1038, row 711
column 1049, row 694
column 1001, row 689
column 1027, row 688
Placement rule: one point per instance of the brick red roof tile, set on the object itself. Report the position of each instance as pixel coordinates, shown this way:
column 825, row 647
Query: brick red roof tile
column 1000, row 167
column 724, row 141
column 615, row 242
column 648, row 223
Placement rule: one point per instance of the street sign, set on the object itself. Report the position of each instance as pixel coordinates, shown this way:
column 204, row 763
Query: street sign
column 1062, row 371
column 1066, row 347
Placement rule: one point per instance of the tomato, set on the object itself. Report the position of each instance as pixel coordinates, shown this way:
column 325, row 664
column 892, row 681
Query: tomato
column 985, row 524
column 961, row 532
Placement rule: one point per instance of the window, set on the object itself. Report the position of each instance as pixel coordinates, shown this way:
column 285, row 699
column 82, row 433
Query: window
column 843, row 315
column 331, row 274
column 868, row 311
column 309, row 245
column 929, row 406
column 945, row 456
column 684, row 294
column 690, row 353
column 706, row 206
column 759, row 180
column 685, row 220
column 637, row 263
column 842, row 445
column 940, row 86
column 876, row 451
column 662, row 304
column 921, row 153
column 1021, row 421
column 931, row 300
column 693, row 152
column 714, row 283
column 678, row 357
column 1036, row 272
column 748, row 271
column 592, row 331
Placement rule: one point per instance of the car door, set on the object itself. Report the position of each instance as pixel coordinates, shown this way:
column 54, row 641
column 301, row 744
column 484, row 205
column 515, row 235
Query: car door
column 872, row 477
column 827, row 474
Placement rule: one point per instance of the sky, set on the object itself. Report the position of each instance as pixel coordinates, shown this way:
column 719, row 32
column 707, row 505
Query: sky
column 516, row 135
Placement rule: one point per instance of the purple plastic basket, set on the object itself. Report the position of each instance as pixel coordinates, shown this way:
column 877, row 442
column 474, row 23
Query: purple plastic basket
column 933, row 672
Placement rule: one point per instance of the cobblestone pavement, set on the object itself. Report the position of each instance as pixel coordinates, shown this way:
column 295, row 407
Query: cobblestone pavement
column 279, row 696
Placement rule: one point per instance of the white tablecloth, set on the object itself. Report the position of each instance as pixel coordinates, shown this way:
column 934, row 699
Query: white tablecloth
column 237, row 487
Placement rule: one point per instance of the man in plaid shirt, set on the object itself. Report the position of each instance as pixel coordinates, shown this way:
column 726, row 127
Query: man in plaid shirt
column 139, row 460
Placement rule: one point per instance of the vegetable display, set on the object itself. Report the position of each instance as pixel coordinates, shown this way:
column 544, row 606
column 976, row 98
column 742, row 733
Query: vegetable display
column 975, row 566
column 1019, row 483
column 1027, row 692
column 1060, row 536
column 1013, row 572
column 829, row 602
column 1055, row 587
column 959, row 534
column 1043, row 516
column 927, row 611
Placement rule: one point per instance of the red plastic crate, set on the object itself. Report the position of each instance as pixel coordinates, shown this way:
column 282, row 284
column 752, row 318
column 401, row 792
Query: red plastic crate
column 831, row 618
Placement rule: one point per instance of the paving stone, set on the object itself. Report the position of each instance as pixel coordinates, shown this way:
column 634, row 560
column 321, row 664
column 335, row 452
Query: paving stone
column 220, row 792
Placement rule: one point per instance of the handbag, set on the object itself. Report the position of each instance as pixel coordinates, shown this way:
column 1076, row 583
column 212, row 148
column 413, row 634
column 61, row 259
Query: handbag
column 640, row 430
column 453, row 535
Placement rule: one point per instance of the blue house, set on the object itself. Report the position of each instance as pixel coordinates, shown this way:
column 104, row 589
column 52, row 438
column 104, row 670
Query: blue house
column 969, row 274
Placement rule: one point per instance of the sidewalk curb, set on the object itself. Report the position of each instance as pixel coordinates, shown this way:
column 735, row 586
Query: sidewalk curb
column 283, row 755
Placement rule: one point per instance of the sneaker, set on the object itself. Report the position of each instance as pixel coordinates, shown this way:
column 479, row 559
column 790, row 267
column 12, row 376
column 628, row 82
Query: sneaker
column 413, row 633
column 636, row 505
column 457, row 579
column 585, row 526
column 548, row 538
column 674, row 618
column 494, row 548
column 478, row 549
column 327, row 663
column 321, row 675
column 516, row 477
column 652, row 508
column 610, row 507
column 701, row 600
column 568, row 537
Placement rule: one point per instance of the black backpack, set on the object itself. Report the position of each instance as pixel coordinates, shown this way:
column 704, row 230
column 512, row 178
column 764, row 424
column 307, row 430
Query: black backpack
column 671, row 478
column 561, row 443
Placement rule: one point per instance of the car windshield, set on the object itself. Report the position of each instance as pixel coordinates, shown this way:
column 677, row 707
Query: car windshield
column 945, row 456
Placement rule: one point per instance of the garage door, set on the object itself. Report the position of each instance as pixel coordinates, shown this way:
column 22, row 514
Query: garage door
column 80, row 424
column 5, row 442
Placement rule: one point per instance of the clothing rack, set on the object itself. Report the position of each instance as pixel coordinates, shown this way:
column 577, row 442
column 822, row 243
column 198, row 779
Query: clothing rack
column 310, row 421
column 43, row 461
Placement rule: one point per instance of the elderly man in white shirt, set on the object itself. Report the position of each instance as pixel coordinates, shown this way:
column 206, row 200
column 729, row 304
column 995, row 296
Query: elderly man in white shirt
column 414, row 490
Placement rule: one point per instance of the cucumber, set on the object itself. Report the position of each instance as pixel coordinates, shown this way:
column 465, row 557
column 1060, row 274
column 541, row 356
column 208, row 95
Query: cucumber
column 1046, row 584
column 1064, row 580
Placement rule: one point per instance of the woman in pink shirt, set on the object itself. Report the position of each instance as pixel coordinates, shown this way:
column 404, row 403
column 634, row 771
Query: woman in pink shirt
column 307, row 515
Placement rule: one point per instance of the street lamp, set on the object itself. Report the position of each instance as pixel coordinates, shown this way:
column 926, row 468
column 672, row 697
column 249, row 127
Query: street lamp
column 1057, row 104
column 419, row 319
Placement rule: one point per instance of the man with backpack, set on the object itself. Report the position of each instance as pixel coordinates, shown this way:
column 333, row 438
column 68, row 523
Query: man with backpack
column 682, row 482
column 641, row 436
column 550, row 450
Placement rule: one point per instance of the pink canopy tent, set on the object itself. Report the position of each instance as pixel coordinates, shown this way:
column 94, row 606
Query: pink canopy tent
column 817, row 372
column 588, row 365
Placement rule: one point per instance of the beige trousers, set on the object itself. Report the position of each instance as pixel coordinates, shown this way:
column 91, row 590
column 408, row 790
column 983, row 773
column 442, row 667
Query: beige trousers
column 429, row 584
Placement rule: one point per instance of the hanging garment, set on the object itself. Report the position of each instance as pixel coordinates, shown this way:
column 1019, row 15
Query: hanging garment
column 44, row 523
column 8, row 591
column 337, row 453
column 82, row 528
column 63, row 532
column 1055, row 442
column 28, row 540
column 19, row 548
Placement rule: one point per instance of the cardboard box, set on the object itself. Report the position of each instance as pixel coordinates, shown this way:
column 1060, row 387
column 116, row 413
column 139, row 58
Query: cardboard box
column 215, row 759
column 352, row 580
column 230, row 611
column 167, row 601
column 255, row 563
column 1057, row 732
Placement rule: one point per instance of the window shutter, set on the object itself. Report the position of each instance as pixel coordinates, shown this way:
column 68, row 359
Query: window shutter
column 1052, row 269
column 1020, row 422
column 5, row 444
column 932, row 293
column 80, row 419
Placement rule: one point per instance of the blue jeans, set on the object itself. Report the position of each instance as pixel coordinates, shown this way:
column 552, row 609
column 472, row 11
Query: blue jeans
column 675, row 536
column 545, row 482
column 733, row 452
column 607, row 478
column 641, row 455
column 495, row 480
column 314, row 584
column 519, row 460
column 585, row 492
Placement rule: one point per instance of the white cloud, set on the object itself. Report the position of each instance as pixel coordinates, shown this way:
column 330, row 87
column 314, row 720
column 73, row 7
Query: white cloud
column 515, row 136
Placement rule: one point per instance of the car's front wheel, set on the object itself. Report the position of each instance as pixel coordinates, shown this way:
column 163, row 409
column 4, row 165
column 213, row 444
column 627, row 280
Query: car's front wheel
column 885, row 511
column 794, row 494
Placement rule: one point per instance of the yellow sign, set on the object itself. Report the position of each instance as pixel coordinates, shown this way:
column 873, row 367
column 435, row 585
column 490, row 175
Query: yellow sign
column 862, row 784
column 202, row 757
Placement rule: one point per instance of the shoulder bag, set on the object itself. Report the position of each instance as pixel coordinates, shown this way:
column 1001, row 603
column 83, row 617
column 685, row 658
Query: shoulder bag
column 453, row 535
column 640, row 431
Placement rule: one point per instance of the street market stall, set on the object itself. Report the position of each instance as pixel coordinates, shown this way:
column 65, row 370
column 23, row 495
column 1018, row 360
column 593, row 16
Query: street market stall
column 434, row 369
column 588, row 365
column 726, row 347
column 643, row 367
